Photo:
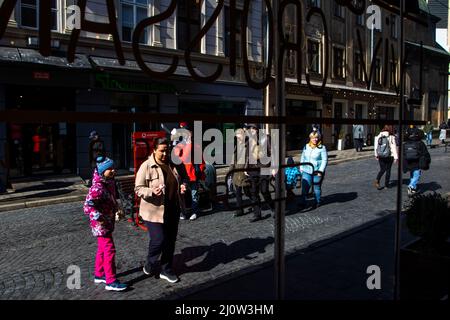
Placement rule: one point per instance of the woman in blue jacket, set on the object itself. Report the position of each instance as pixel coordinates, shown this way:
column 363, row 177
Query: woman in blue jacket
column 315, row 153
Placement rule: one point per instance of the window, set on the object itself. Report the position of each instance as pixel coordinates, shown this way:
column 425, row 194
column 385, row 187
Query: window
column 313, row 56
column 237, row 26
column 188, row 23
column 314, row 3
column 133, row 11
column 393, row 75
column 29, row 14
column 338, row 63
column 360, row 20
column 394, row 26
column 377, row 75
column 338, row 10
column 359, row 74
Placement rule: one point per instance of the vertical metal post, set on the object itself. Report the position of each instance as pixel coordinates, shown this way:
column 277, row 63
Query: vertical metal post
column 400, row 156
column 280, row 189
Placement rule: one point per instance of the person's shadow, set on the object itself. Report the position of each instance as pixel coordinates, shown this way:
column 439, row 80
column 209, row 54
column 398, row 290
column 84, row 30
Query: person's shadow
column 219, row 253
column 328, row 199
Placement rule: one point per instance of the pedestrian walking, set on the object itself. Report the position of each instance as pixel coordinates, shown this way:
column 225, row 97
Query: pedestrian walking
column 292, row 174
column 195, row 172
column 386, row 153
column 358, row 137
column 443, row 133
column 241, row 181
column 96, row 148
column 428, row 130
column 259, row 183
column 180, row 134
column 101, row 207
column 415, row 158
column 160, row 187
column 315, row 153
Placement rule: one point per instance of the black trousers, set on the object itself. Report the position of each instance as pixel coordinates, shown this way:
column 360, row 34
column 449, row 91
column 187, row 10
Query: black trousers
column 385, row 167
column 358, row 143
column 162, row 242
column 260, row 184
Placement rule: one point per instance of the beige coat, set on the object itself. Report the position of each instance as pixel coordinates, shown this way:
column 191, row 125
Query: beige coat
column 148, row 178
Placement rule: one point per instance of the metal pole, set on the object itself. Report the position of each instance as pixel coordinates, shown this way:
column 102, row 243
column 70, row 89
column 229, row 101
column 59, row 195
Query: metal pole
column 400, row 156
column 279, row 190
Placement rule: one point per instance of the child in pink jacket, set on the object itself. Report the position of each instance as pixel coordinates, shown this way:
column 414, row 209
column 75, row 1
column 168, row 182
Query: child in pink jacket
column 101, row 206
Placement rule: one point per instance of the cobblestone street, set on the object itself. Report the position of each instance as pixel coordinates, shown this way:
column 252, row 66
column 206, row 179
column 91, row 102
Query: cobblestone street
column 37, row 245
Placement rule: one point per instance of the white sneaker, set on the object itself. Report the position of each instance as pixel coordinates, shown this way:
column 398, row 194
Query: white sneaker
column 193, row 217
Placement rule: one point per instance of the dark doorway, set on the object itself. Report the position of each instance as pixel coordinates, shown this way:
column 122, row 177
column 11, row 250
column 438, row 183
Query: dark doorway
column 41, row 148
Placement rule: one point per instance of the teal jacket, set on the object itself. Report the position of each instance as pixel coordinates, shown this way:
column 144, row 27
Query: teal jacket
column 318, row 157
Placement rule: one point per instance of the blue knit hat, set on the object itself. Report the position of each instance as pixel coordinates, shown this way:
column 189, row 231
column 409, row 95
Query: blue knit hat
column 104, row 164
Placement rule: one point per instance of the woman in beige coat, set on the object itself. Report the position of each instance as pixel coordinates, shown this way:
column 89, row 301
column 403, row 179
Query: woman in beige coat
column 159, row 186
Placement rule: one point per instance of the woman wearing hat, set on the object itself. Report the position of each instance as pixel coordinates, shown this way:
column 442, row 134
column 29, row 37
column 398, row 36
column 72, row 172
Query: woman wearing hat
column 315, row 153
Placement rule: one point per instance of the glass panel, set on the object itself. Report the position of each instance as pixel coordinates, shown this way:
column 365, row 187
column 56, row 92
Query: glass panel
column 29, row 2
column 54, row 24
column 127, row 15
column 29, row 18
column 126, row 34
column 141, row 14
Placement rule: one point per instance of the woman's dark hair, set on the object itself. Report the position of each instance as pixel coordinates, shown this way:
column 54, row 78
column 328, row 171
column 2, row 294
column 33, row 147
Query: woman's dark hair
column 160, row 141
column 388, row 128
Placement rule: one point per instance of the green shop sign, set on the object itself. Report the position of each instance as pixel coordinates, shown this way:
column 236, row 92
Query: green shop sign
column 107, row 82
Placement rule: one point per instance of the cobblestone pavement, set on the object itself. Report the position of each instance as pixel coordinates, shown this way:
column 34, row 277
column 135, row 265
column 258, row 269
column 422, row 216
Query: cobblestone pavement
column 37, row 245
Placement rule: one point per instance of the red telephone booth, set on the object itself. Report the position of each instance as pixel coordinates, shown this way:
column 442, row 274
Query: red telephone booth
column 143, row 144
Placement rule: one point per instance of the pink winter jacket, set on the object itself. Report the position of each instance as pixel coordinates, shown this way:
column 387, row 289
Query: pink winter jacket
column 101, row 205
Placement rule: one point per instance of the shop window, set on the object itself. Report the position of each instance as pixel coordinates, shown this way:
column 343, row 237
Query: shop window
column 134, row 11
column 29, row 14
column 188, row 23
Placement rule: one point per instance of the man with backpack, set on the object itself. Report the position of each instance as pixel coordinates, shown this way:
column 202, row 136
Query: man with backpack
column 386, row 153
column 415, row 157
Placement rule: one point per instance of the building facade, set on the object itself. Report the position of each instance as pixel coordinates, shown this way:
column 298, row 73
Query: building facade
column 361, row 69
column 96, row 81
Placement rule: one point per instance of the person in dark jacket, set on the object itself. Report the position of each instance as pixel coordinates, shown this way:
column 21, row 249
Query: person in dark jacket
column 241, row 182
column 415, row 157
column 259, row 182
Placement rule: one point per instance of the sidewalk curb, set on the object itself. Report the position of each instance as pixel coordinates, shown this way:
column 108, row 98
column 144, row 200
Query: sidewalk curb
column 40, row 203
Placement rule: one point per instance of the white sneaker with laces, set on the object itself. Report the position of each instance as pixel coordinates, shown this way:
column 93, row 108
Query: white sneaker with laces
column 193, row 217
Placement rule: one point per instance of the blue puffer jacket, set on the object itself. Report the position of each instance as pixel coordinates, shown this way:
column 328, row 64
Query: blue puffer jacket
column 318, row 157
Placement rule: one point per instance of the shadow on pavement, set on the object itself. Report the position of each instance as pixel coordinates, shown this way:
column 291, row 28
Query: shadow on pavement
column 219, row 253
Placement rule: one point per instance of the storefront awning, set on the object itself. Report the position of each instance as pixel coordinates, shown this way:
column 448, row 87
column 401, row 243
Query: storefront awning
column 131, row 65
column 21, row 55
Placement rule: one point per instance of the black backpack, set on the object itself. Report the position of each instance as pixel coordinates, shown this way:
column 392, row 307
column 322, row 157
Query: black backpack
column 411, row 151
column 383, row 147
